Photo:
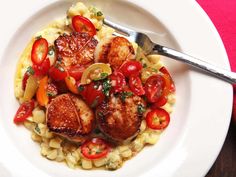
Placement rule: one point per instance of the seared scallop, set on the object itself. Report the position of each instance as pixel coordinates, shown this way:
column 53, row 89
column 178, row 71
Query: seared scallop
column 114, row 51
column 75, row 49
column 119, row 118
column 70, row 117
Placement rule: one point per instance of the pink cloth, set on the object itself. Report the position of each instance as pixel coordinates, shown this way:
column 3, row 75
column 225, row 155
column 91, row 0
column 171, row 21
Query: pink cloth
column 223, row 15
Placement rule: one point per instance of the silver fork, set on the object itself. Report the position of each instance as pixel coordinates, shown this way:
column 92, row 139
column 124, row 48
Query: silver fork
column 150, row 47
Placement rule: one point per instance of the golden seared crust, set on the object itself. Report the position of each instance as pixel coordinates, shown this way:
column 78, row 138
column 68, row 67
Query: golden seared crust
column 76, row 48
column 120, row 50
column 119, row 119
column 68, row 116
column 114, row 51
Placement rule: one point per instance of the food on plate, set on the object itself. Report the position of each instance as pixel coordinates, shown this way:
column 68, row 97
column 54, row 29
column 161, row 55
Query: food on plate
column 89, row 98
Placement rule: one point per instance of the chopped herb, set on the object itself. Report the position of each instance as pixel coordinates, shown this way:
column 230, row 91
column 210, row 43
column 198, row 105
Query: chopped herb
column 81, row 88
column 100, row 114
column 141, row 109
column 37, row 129
column 106, row 87
column 154, row 69
column 125, row 95
column 97, row 131
column 99, row 14
column 103, row 76
column 51, row 94
column 51, row 50
column 144, row 65
column 145, row 98
column 98, row 151
column 30, row 70
column 38, row 37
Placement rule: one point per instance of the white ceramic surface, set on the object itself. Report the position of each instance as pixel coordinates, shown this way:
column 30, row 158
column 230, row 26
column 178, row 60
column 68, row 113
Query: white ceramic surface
column 201, row 115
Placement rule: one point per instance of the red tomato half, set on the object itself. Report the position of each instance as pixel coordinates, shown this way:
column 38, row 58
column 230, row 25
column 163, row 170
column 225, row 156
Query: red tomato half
column 154, row 88
column 52, row 90
column 24, row 111
column 161, row 102
column 95, row 148
column 117, row 81
column 170, row 86
column 77, row 71
column 25, row 78
column 131, row 68
column 43, row 68
column 136, row 86
column 82, row 24
column 158, row 119
column 39, row 51
column 92, row 93
column 57, row 72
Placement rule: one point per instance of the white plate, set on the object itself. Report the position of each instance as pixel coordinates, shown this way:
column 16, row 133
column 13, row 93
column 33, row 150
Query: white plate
column 201, row 116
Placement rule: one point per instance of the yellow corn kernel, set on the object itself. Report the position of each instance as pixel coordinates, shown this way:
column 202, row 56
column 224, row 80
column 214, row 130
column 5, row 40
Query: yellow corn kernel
column 55, row 143
column 86, row 164
column 168, row 108
column 143, row 126
column 125, row 151
column 52, row 154
column 77, row 9
column 38, row 116
column 60, row 155
column 152, row 138
column 36, row 137
column 29, row 125
column 114, row 161
column 99, row 162
column 44, row 149
column 171, row 99
column 154, row 59
column 138, row 144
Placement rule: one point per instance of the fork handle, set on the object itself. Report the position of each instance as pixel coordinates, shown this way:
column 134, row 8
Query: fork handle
column 209, row 68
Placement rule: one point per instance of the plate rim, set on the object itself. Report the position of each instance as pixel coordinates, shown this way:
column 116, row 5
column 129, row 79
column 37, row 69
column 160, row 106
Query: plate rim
column 41, row 4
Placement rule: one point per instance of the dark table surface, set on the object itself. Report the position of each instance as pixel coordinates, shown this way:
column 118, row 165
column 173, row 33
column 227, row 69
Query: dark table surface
column 225, row 165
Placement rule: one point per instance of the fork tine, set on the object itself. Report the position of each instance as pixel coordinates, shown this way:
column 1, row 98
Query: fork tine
column 118, row 28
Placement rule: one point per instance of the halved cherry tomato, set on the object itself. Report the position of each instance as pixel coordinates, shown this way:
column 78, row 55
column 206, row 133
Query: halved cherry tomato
column 161, row 102
column 24, row 111
column 43, row 68
column 95, row 95
column 154, row 88
column 61, row 86
column 83, row 24
column 52, row 90
column 136, row 86
column 57, row 72
column 83, row 90
column 29, row 72
column 131, row 68
column 71, row 84
column 41, row 95
column 170, row 86
column 39, row 51
column 95, row 148
column 25, row 78
column 77, row 71
column 158, row 119
column 92, row 93
column 117, row 81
